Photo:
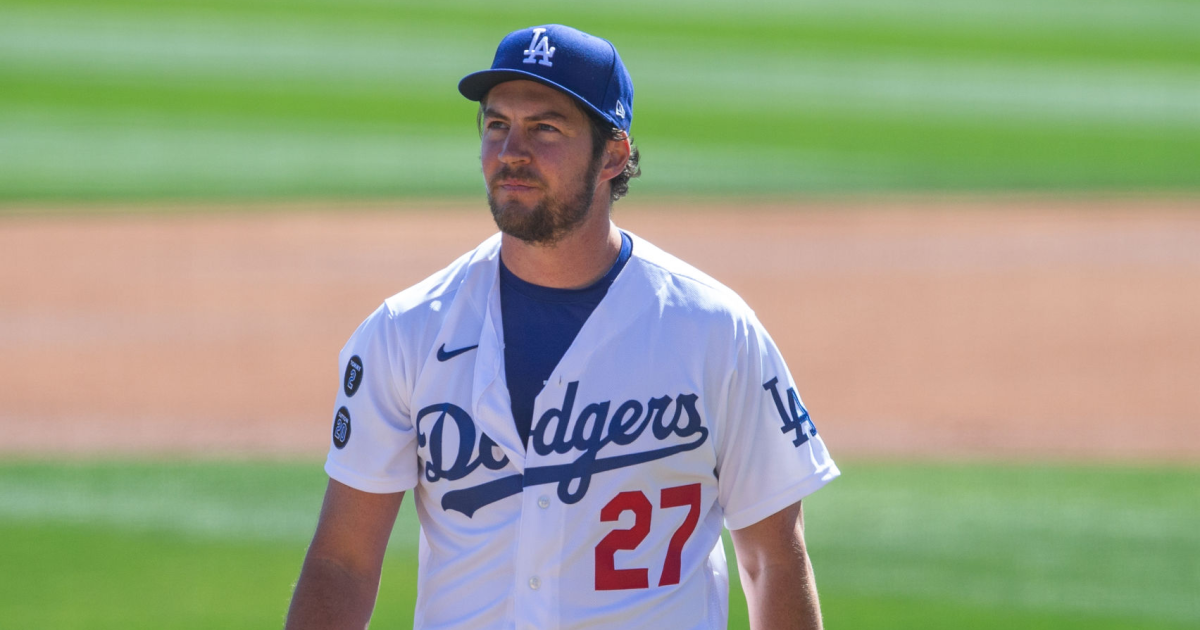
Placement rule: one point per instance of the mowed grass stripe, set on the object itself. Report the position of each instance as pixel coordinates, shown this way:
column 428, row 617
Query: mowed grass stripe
column 165, row 160
column 175, row 51
column 157, row 162
column 895, row 545
column 1030, row 537
column 151, row 75
column 79, row 577
column 1103, row 32
column 115, row 161
column 781, row 94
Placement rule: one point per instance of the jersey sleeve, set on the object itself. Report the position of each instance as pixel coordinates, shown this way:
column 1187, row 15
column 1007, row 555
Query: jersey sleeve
column 769, row 453
column 372, row 441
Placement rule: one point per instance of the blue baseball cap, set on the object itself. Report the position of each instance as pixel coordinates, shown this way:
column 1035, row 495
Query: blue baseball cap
column 584, row 66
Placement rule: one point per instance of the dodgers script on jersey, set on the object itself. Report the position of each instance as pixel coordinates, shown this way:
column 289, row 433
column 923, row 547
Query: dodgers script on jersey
column 670, row 415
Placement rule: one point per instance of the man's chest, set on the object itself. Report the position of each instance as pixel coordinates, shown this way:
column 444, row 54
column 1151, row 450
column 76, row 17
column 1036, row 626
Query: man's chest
column 612, row 504
column 596, row 433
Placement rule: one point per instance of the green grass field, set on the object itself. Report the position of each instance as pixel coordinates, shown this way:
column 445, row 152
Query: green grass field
column 219, row 544
column 128, row 99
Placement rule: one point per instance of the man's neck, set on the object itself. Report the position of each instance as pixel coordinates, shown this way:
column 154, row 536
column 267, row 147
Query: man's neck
column 576, row 261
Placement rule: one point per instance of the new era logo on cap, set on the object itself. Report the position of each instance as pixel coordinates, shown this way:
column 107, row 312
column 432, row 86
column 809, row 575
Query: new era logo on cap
column 586, row 67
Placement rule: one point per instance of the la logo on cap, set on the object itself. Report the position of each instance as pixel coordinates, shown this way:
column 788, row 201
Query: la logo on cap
column 590, row 71
column 539, row 46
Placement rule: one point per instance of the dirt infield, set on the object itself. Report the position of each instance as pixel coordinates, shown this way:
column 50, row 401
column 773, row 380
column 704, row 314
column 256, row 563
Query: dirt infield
column 948, row 328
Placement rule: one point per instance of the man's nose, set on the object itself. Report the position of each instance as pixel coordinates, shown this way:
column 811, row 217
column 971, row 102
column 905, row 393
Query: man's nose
column 515, row 148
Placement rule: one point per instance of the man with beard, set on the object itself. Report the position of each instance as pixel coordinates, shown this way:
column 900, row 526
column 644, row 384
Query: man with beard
column 578, row 412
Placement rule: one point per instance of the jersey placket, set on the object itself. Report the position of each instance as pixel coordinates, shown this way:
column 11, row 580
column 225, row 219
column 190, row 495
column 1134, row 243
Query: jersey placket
column 546, row 522
column 538, row 559
column 541, row 528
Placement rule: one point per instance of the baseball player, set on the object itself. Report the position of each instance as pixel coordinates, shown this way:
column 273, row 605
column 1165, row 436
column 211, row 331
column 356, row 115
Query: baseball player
column 577, row 412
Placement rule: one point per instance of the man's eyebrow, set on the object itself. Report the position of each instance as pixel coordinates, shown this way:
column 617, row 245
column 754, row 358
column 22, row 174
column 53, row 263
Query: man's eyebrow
column 549, row 114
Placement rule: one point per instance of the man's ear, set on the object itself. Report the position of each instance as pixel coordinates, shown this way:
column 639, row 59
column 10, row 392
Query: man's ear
column 616, row 156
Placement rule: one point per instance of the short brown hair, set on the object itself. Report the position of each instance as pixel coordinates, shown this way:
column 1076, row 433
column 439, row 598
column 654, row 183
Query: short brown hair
column 602, row 132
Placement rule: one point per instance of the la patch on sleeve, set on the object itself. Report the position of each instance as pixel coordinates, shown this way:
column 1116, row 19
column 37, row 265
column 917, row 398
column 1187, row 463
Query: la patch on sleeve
column 795, row 416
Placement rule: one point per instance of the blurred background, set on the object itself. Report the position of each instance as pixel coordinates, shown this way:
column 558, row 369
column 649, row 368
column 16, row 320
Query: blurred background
column 973, row 227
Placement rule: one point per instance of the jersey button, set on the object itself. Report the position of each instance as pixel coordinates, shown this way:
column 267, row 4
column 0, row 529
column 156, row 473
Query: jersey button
column 543, row 501
column 535, row 583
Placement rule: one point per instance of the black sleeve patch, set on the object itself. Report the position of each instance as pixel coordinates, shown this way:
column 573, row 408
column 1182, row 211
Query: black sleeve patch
column 354, row 375
column 341, row 428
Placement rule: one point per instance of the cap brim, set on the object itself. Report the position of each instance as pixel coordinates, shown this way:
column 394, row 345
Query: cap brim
column 475, row 86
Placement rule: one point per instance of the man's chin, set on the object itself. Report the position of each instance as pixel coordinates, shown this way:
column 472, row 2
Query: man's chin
column 513, row 213
column 524, row 221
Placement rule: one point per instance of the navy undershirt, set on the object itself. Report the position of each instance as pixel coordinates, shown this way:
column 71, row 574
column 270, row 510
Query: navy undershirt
column 539, row 325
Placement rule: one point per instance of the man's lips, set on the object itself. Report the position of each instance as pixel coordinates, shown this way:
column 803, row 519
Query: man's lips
column 515, row 185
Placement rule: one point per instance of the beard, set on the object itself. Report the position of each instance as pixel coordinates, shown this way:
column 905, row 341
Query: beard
column 552, row 218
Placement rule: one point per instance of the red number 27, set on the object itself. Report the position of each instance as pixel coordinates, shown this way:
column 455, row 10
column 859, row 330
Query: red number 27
column 610, row 578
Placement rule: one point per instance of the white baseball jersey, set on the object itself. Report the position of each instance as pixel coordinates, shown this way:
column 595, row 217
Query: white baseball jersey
column 671, row 414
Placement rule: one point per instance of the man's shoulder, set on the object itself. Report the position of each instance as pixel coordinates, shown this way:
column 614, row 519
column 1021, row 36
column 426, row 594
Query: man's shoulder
column 683, row 285
column 435, row 293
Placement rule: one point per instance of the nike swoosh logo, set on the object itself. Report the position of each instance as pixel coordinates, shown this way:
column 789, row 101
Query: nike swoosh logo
column 442, row 355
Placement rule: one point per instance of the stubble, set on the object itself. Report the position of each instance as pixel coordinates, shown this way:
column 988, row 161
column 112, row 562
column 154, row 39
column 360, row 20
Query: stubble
column 550, row 219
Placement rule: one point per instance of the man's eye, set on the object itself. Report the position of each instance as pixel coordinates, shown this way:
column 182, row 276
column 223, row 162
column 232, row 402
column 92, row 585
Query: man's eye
column 496, row 124
column 545, row 127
